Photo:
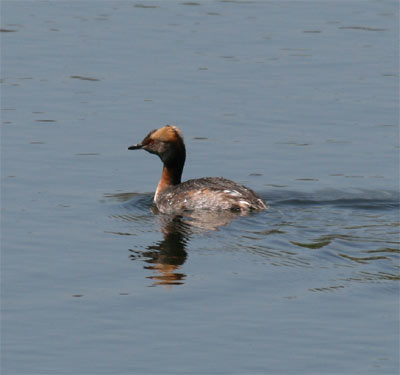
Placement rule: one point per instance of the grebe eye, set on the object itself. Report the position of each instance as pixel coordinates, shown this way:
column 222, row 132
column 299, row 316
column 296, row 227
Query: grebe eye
column 151, row 142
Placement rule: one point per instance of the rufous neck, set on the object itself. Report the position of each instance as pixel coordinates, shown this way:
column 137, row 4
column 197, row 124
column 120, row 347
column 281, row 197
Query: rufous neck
column 170, row 176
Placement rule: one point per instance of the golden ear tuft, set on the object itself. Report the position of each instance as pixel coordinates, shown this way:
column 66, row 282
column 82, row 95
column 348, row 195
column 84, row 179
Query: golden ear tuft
column 168, row 133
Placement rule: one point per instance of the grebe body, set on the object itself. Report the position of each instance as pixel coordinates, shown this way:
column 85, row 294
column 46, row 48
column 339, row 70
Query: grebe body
column 209, row 193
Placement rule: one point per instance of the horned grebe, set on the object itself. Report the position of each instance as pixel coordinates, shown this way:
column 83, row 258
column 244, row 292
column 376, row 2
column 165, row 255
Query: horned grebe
column 212, row 193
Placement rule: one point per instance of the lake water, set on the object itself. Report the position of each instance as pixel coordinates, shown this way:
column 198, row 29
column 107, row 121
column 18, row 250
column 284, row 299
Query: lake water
column 296, row 99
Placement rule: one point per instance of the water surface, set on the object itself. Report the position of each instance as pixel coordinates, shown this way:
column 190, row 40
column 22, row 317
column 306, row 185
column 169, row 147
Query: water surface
column 298, row 100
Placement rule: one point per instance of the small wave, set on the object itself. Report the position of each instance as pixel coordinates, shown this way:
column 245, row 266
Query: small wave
column 141, row 202
column 133, row 201
column 365, row 204
column 362, row 199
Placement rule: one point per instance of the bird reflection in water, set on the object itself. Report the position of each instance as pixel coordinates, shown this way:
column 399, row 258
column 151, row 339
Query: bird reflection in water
column 166, row 257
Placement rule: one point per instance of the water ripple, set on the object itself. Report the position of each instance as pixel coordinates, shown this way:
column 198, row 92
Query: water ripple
column 351, row 234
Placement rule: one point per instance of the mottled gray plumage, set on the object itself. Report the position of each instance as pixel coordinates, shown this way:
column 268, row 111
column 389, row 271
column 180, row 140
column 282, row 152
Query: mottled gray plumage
column 209, row 193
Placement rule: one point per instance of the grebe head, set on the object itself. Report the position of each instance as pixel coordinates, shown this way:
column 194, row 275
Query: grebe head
column 167, row 143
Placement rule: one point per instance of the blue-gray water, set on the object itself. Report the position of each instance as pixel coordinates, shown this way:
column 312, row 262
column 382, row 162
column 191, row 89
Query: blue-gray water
column 296, row 99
